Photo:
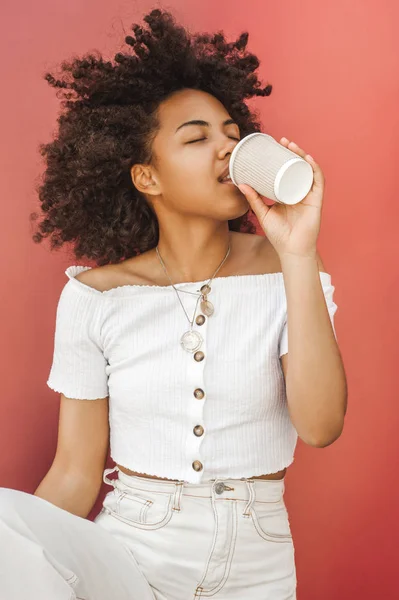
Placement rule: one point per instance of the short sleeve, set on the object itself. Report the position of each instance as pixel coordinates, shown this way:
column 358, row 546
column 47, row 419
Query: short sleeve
column 328, row 290
column 78, row 367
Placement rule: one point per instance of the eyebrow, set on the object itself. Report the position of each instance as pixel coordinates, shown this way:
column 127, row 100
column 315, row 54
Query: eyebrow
column 205, row 123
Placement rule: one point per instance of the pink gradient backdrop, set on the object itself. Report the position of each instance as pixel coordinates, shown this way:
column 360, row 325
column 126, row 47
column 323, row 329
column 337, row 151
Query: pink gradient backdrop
column 334, row 70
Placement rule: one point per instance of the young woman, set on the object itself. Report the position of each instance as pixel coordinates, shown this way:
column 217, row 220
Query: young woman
column 175, row 346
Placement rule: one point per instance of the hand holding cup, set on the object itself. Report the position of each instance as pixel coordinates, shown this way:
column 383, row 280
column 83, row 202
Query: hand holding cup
column 291, row 228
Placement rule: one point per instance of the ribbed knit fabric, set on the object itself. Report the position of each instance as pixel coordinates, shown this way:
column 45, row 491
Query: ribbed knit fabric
column 125, row 343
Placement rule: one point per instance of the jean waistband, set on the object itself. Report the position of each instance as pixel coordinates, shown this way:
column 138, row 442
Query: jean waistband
column 266, row 490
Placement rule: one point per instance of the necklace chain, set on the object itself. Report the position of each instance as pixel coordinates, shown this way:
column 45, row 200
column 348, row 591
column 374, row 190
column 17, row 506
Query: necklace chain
column 201, row 294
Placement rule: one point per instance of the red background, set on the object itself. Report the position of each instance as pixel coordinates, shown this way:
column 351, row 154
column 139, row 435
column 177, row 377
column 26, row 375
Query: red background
column 334, row 71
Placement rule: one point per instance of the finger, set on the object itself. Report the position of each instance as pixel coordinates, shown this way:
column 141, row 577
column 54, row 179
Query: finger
column 295, row 148
column 258, row 206
column 318, row 176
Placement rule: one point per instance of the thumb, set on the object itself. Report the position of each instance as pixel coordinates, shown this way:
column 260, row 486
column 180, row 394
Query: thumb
column 257, row 204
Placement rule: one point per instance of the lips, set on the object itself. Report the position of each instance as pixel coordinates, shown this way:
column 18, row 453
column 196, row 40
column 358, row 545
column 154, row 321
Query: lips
column 224, row 173
column 226, row 179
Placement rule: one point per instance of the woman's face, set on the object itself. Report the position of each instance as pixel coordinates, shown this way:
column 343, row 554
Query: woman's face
column 190, row 158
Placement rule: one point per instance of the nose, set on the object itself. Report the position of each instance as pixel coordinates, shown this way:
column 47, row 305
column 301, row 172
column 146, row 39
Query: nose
column 226, row 147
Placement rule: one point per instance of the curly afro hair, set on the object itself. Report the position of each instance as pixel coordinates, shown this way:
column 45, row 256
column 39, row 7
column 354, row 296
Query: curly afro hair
column 109, row 121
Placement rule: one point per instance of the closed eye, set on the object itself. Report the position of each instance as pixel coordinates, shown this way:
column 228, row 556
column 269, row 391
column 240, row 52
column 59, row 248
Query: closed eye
column 200, row 140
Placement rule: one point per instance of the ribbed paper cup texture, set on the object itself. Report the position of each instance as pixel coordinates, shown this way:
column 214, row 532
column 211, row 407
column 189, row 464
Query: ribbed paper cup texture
column 271, row 169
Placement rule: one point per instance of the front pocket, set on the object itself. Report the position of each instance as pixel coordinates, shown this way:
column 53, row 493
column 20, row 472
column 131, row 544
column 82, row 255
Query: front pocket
column 271, row 521
column 139, row 508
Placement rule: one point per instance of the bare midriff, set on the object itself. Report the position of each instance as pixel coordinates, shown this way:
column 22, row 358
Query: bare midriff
column 278, row 475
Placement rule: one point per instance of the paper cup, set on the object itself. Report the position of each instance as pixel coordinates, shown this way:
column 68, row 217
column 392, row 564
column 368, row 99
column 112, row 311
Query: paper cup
column 271, row 169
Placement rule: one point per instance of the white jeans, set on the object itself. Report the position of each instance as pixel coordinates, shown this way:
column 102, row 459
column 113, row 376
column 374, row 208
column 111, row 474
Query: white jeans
column 153, row 539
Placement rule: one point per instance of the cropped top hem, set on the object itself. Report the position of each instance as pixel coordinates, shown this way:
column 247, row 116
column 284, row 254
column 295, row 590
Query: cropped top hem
column 246, row 473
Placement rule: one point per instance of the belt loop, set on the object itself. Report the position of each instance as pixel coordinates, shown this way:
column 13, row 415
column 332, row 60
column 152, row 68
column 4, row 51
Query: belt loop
column 247, row 510
column 107, row 472
column 177, row 495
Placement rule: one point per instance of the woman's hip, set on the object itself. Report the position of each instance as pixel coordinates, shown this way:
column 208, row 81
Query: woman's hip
column 224, row 538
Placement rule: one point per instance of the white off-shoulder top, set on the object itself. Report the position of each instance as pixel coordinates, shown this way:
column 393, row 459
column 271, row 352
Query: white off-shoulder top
column 219, row 412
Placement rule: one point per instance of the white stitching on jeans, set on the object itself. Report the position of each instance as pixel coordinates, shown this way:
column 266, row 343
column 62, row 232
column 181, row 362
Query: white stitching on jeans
column 233, row 538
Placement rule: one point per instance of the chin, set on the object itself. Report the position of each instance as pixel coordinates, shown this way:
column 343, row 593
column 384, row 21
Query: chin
column 235, row 212
column 237, row 207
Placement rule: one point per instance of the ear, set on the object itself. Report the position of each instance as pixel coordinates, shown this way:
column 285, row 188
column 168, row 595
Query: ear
column 144, row 180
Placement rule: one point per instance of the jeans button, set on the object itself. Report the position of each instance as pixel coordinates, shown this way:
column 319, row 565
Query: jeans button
column 219, row 487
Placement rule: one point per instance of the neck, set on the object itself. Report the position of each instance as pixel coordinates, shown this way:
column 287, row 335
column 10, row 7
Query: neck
column 194, row 256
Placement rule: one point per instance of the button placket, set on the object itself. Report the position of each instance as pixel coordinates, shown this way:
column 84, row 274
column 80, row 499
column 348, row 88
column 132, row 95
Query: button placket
column 196, row 398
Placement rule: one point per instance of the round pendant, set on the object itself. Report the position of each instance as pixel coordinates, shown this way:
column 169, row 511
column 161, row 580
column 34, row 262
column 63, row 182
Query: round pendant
column 207, row 308
column 191, row 341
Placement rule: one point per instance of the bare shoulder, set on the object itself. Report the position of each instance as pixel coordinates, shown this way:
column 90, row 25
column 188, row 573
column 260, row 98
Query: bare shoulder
column 100, row 278
column 260, row 253
column 132, row 271
column 267, row 257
